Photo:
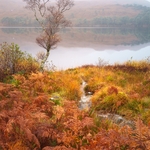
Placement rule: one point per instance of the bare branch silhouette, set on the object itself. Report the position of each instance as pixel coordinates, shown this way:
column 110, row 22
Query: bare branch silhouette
column 51, row 18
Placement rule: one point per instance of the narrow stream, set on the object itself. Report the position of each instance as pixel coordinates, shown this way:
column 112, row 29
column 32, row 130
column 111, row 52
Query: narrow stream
column 85, row 104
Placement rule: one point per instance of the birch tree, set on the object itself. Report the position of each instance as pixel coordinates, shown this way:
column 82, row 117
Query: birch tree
column 50, row 16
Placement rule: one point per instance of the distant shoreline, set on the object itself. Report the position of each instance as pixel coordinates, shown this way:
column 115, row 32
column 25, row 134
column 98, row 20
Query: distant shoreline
column 96, row 27
column 17, row 27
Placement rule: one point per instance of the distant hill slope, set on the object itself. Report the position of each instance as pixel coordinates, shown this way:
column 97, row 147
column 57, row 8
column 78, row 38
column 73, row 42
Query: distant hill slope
column 83, row 10
column 112, row 2
column 102, row 11
column 13, row 7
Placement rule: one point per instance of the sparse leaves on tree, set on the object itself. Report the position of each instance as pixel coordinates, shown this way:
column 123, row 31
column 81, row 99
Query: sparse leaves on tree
column 51, row 18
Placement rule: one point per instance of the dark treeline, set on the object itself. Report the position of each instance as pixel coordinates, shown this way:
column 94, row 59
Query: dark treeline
column 18, row 21
column 141, row 20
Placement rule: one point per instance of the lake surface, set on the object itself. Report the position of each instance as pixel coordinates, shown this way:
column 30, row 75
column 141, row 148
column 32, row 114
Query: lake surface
column 84, row 46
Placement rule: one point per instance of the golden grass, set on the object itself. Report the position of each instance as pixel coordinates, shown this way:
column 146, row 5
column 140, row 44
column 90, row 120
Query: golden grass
column 45, row 110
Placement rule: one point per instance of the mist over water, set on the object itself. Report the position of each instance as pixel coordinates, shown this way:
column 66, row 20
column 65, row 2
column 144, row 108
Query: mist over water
column 84, row 46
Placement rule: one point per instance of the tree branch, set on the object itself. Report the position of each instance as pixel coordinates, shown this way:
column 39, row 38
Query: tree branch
column 51, row 19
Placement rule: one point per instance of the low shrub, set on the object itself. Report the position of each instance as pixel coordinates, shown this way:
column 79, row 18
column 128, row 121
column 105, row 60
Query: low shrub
column 13, row 60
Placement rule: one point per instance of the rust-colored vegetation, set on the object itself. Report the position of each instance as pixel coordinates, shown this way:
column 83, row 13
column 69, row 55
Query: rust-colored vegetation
column 39, row 111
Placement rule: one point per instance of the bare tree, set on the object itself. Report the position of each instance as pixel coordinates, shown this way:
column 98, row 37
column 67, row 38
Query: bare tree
column 51, row 18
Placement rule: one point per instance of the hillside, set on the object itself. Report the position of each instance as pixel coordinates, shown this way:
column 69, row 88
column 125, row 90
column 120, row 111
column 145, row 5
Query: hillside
column 92, row 12
column 120, row 2
column 82, row 10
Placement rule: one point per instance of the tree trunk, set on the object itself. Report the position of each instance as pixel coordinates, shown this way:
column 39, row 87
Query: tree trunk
column 44, row 60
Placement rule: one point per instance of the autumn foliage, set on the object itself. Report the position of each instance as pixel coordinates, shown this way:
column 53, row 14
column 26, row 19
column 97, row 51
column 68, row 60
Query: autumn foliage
column 39, row 111
column 13, row 60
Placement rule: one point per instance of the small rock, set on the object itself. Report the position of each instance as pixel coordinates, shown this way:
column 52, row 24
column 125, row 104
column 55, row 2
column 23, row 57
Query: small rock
column 117, row 119
column 89, row 93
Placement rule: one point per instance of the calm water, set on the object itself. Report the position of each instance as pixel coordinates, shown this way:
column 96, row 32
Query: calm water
column 81, row 46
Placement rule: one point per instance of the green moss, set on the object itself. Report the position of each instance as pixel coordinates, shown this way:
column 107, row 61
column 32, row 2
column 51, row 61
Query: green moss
column 145, row 116
column 110, row 78
column 122, row 82
column 145, row 102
